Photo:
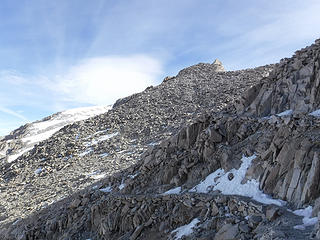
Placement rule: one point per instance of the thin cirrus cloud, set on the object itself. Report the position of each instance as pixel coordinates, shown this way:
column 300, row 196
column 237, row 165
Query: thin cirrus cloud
column 102, row 80
column 13, row 113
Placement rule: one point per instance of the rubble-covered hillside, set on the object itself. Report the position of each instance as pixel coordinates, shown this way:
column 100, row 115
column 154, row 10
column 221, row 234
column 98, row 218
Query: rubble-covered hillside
column 208, row 154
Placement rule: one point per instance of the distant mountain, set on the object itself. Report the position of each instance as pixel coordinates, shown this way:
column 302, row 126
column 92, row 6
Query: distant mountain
column 23, row 139
column 207, row 154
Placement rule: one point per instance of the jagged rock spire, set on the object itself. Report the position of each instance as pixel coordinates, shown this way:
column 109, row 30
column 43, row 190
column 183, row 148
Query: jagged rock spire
column 217, row 64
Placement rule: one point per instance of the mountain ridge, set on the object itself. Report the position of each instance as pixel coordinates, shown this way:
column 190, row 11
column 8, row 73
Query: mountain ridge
column 171, row 138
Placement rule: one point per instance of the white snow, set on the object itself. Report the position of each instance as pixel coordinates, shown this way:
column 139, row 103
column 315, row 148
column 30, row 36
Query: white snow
column 44, row 129
column 153, row 143
column 86, row 152
column 176, row 190
column 122, row 186
column 13, row 157
column 133, row 176
column 307, row 220
column 186, row 229
column 38, row 137
column 285, row 113
column 38, row 171
column 101, row 139
column 315, row 113
column 218, row 180
column 106, row 137
column 101, row 131
column 104, row 155
column 96, row 175
column 106, row 190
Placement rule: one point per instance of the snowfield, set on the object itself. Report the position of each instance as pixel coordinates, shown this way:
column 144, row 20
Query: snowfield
column 44, row 129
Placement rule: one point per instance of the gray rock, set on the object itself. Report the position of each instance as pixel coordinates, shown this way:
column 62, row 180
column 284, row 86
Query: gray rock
column 227, row 232
column 272, row 213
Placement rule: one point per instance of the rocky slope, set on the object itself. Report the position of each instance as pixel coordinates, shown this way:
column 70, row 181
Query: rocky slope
column 174, row 156
column 83, row 152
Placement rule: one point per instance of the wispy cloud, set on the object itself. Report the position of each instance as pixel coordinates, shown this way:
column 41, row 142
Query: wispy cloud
column 94, row 81
column 103, row 80
column 13, row 113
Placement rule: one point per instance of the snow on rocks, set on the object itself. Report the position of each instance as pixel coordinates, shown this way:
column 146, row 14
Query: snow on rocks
column 122, row 186
column 100, row 139
column 96, row 175
column 106, row 189
column 176, row 190
column 219, row 180
column 86, row 152
column 315, row 113
column 44, row 129
column 13, row 157
column 186, row 229
column 307, row 220
column 285, row 113
column 38, row 171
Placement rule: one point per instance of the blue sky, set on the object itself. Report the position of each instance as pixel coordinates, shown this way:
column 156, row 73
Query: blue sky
column 56, row 55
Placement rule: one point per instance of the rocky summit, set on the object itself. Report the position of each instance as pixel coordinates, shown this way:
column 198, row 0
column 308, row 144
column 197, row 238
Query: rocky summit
column 207, row 154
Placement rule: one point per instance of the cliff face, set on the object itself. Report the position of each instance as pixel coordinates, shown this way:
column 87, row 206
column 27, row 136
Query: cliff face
column 173, row 157
column 294, row 84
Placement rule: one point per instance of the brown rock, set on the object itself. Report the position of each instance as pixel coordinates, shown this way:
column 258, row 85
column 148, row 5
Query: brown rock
column 272, row 213
column 214, row 209
column 75, row 203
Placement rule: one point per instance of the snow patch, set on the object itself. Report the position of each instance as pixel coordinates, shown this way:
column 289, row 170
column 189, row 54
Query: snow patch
column 176, row 190
column 106, row 137
column 106, row 190
column 154, row 144
column 307, row 220
column 44, row 129
column 12, row 158
column 186, row 229
column 104, row 155
column 285, row 113
column 218, row 180
column 101, row 139
column 133, row 176
column 90, row 150
column 96, row 175
column 38, row 171
column 122, row 186
column 315, row 113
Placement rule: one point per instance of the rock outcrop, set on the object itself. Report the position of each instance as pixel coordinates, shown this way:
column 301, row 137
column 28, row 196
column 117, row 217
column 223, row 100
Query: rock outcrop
column 218, row 66
column 294, row 84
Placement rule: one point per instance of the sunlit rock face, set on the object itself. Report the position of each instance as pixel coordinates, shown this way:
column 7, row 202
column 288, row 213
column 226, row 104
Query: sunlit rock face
column 218, row 66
